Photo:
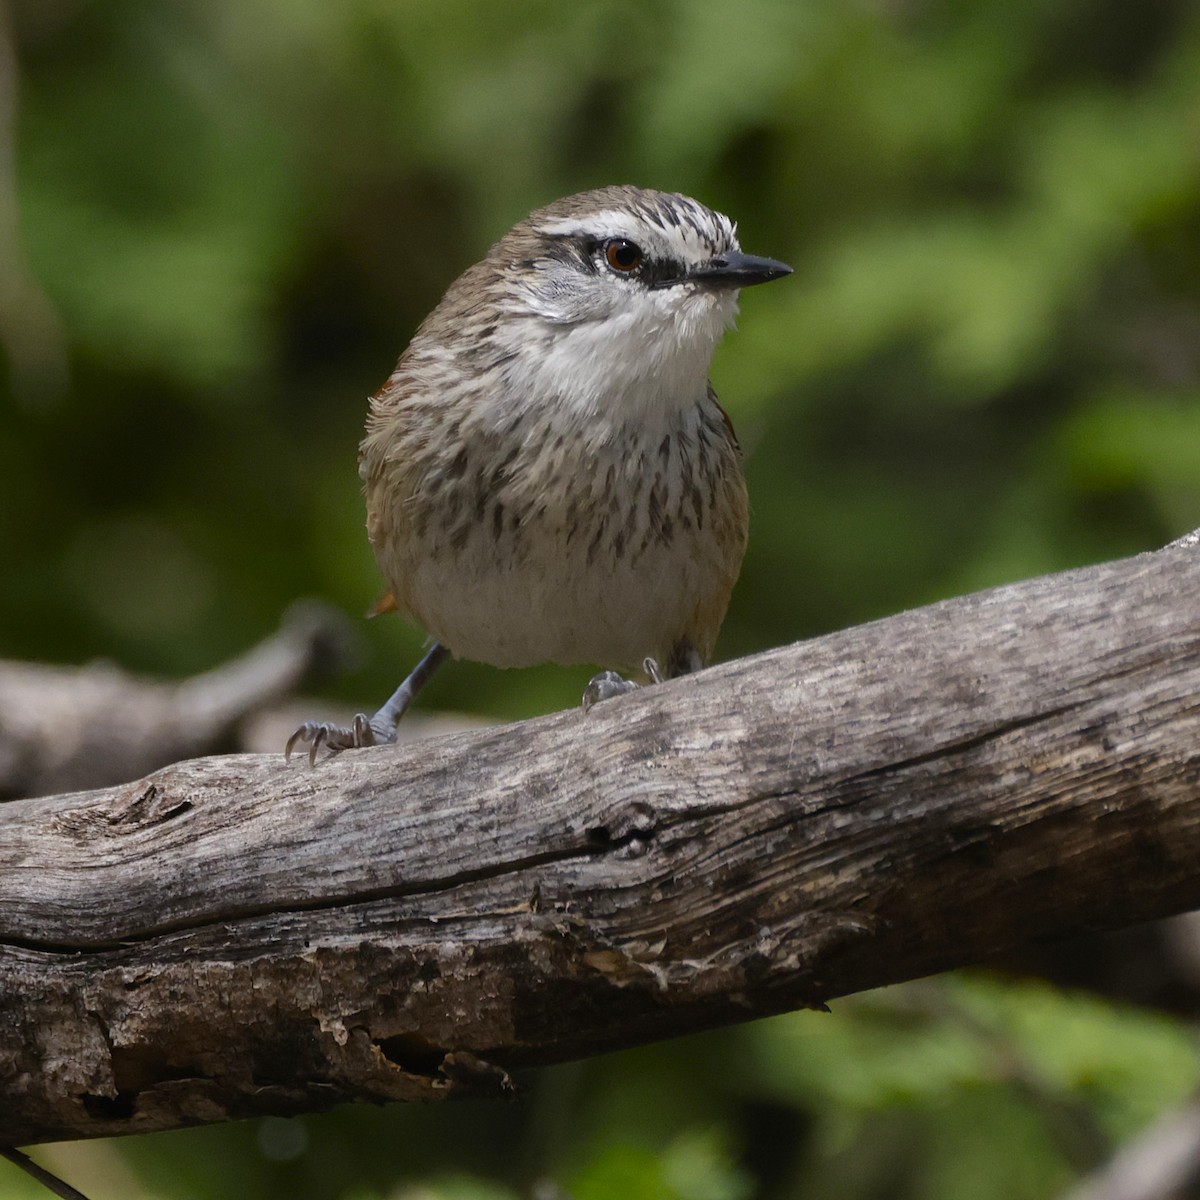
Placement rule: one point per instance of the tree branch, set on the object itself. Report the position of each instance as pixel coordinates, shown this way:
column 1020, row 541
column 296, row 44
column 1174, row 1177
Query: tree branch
column 71, row 727
column 1161, row 1163
column 38, row 1172
column 233, row 937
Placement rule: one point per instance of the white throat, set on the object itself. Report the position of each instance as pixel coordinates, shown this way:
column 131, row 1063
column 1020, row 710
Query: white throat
column 647, row 361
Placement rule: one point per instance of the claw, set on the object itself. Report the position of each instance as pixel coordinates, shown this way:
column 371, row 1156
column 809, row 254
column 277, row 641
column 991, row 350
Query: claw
column 291, row 743
column 320, row 735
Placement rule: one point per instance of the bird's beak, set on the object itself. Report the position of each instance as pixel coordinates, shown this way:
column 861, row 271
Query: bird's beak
column 738, row 270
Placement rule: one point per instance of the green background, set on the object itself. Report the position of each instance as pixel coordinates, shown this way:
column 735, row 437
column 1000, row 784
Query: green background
column 221, row 221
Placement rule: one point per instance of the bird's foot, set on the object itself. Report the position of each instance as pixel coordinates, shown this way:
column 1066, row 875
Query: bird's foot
column 336, row 738
column 608, row 684
column 379, row 730
column 605, row 686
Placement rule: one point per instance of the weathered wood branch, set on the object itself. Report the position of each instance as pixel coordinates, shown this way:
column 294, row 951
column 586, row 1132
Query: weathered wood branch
column 233, row 936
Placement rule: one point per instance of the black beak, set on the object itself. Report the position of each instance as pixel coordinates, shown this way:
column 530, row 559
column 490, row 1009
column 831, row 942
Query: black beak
column 738, row 270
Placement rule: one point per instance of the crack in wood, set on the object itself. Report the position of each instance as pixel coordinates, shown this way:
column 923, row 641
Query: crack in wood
column 966, row 745
column 633, row 827
column 250, row 912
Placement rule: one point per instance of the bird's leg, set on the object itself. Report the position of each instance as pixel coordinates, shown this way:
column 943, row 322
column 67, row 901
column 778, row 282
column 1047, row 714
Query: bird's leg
column 377, row 730
column 608, row 684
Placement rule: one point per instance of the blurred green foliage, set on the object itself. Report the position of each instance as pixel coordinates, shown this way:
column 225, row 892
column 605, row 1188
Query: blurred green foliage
column 220, row 222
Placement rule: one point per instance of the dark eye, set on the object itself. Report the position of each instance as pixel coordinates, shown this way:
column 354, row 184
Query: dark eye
column 622, row 256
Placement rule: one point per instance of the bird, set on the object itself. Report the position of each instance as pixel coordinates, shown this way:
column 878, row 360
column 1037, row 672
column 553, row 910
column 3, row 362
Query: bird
column 548, row 474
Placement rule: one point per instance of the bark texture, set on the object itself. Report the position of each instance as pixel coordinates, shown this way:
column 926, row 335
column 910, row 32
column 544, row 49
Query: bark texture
column 234, row 936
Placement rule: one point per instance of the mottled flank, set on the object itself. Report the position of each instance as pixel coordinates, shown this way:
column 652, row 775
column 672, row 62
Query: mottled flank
column 548, row 474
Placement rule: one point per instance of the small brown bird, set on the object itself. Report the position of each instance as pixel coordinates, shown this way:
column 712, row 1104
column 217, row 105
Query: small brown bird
column 548, row 474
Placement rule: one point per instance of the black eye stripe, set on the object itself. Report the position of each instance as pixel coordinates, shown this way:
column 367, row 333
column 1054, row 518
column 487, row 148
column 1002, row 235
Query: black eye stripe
column 662, row 272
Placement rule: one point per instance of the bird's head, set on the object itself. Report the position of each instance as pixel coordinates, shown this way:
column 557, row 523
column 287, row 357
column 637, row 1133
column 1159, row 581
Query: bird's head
column 620, row 288
column 637, row 257
column 610, row 298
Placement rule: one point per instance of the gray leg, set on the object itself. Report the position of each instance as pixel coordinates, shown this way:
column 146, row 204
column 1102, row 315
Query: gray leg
column 384, row 722
column 377, row 730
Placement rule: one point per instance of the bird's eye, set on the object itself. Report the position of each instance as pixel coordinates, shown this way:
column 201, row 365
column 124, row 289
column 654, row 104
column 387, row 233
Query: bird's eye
column 623, row 256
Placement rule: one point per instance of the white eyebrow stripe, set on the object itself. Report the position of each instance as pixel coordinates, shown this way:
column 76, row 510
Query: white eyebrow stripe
column 697, row 234
column 608, row 219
